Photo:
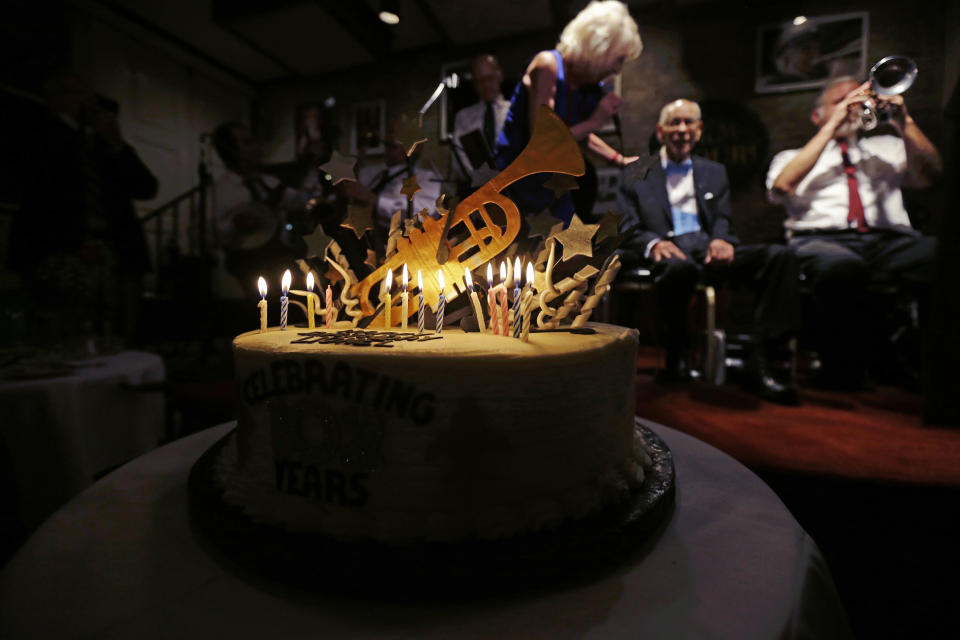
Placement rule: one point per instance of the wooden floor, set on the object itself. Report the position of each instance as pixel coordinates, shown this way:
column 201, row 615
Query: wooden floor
column 877, row 488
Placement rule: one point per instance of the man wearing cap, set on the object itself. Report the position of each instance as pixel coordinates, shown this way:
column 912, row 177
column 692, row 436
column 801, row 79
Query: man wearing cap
column 682, row 206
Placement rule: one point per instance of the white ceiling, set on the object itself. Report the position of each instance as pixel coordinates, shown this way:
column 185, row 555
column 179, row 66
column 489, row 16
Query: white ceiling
column 264, row 40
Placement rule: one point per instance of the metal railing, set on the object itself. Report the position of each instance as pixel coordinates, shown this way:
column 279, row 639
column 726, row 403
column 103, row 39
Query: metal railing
column 175, row 244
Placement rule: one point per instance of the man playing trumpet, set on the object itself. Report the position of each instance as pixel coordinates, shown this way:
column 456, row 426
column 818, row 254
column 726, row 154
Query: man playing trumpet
column 846, row 217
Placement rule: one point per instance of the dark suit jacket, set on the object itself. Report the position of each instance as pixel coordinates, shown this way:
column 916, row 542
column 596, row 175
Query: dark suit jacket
column 650, row 208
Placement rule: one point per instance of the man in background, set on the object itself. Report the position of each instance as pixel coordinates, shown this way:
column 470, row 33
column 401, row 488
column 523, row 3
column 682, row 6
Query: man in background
column 846, row 217
column 682, row 206
column 77, row 236
column 252, row 211
column 486, row 116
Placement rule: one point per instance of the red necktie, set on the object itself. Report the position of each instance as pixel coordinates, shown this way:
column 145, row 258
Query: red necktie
column 855, row 214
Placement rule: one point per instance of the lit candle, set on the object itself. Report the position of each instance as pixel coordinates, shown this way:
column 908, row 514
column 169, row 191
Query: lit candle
column 328, row 305
column 517, row 291
column 262, row 286
column 477, row 309
column 310, row 303
column 285, row 288
column 404, row 297
column 491, row 299
column 387, row 301
column 441, row 303
column 420, row 302
column 527, row 304
column 503, row 300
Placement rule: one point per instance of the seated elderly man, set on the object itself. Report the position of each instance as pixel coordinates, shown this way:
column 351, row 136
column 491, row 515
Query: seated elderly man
column 682, row 205
column 846, row 217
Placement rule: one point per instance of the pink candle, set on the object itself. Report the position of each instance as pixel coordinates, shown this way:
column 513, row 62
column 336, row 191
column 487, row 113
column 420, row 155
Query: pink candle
column 504, row 317
column 329, row 305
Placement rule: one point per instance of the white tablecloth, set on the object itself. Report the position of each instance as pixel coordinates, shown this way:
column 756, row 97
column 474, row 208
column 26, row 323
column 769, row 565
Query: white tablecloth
column 58, row 433
column 121, row 561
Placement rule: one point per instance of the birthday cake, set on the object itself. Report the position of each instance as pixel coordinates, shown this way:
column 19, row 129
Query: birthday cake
column 460, row 436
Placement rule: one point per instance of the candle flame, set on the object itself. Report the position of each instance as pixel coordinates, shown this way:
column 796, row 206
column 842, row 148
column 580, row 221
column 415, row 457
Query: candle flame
column 419, row 281
column 310, row 281
column 489, row 274
column 468, row 278
column 440, row 278
column 388, row 280
column 262, row 286
column 517, row 272
column 404, row 276
column 530, row 273
column 503, row 271
column 285, row 282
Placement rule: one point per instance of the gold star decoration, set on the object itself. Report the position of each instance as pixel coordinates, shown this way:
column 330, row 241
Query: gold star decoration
column 609, row 226
column 542, row 224
column 577, row 238
column 317, row 243
column 359, row 219
column 410, row 186
column 409, row 132
column 560, row 183
column 339, row 167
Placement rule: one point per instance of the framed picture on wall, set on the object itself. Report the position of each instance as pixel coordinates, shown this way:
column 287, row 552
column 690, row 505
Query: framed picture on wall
column 807, row 51
column 368, row 126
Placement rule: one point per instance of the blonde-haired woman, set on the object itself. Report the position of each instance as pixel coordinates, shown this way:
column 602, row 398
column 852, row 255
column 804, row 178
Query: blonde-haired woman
column 570, row 80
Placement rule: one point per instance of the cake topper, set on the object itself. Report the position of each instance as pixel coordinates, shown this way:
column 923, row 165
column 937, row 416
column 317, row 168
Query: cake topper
column 339, row 167
column 577, row 238
column 359, row 219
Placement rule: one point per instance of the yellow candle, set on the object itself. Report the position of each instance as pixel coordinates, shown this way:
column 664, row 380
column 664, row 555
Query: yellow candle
column 404, row 300
column 262, row 286
column 310, row 303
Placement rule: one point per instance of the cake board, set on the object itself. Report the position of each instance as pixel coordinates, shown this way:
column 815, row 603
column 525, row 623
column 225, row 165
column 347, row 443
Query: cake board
column 575, row 551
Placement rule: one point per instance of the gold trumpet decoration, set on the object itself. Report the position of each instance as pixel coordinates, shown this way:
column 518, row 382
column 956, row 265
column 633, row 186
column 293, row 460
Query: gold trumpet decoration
column 552, row 149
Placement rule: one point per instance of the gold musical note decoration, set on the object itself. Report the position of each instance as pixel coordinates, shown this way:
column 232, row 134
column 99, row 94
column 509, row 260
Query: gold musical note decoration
column 552, row 149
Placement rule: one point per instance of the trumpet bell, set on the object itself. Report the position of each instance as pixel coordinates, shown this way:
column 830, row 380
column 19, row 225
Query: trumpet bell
column 892, row 75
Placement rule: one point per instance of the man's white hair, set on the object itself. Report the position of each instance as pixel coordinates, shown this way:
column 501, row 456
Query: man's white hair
column 665, row 111
column 599, row 34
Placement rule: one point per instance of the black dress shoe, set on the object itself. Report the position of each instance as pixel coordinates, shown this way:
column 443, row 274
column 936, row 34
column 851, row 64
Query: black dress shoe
column 763, row 384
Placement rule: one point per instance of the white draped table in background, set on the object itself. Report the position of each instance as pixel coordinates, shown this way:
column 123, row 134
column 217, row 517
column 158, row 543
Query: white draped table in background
column 58, row 433
column 121, row 561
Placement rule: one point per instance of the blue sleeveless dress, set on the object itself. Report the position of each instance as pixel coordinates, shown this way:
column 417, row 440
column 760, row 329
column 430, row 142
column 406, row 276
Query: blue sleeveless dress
column 573, row 107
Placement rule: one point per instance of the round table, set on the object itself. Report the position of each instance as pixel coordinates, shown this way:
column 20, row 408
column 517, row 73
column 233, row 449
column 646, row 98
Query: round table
column 121, row 560
column 59, row 432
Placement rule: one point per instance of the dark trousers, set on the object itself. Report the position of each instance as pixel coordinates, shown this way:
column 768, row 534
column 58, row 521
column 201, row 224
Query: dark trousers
column 770, row 270
column 838, row 266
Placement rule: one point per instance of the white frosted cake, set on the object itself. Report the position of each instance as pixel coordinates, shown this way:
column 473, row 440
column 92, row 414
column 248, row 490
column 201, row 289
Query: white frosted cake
column 466, row 436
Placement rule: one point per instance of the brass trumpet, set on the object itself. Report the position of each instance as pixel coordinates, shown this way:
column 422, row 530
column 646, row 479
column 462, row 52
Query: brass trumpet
column 891, row 76
column 552, row 148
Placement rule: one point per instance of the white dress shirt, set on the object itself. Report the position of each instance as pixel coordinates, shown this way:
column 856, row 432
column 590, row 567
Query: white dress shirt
column 822, row 199
column 469, row 119
column 390, row 199
column 682, row 196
